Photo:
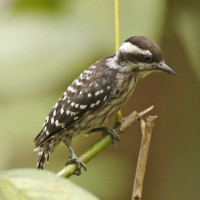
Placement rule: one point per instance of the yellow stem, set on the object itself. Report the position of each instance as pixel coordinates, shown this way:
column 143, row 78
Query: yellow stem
column 118, row 115
column 116, row 24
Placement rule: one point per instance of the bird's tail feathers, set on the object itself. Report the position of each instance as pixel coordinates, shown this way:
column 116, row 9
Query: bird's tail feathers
column 43, row 154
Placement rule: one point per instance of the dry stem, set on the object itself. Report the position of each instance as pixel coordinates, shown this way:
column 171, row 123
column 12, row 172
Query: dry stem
column 147, row 128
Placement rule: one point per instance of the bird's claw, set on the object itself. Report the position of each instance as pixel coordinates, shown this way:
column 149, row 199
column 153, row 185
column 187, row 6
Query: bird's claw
column 113, row 134
column 78, row 163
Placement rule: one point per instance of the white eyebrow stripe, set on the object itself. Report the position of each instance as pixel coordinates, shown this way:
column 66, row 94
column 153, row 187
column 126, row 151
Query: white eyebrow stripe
column 127, row 47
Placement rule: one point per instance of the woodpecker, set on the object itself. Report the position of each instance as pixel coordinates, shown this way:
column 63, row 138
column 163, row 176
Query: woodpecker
column 96, row 95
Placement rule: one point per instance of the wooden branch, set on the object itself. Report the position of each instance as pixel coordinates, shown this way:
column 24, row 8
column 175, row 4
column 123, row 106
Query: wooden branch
column 147, row 128
column 103, row 142
column 134, row 116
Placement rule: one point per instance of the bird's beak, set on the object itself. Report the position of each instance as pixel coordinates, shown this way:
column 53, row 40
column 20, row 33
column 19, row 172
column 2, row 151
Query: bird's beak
column 165, row 68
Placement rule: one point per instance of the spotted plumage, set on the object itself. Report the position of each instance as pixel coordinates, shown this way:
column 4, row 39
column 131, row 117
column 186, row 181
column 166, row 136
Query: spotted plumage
column 97, row 94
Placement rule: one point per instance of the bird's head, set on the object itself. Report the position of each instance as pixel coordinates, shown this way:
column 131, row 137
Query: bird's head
column 140, row 54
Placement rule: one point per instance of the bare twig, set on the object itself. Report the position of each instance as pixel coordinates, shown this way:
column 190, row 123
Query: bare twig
column 134, row 116
column 103, row 142
column 147, row 128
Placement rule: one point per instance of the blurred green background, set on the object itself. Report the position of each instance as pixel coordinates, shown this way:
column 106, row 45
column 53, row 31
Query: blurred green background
column 45, row 44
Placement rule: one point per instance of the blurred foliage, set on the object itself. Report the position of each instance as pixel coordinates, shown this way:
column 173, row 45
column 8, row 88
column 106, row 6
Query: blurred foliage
column 30, row 184
column 188, row 29
column 44, row 45
column 45, row 6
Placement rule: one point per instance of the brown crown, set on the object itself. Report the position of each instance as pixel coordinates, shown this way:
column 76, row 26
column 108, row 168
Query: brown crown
column 147, row 44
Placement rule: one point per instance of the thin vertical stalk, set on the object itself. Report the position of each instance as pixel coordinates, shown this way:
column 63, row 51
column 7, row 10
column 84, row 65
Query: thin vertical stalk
column 118, row 115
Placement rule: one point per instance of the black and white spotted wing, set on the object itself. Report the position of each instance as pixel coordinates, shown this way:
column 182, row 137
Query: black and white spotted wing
column 89, row 92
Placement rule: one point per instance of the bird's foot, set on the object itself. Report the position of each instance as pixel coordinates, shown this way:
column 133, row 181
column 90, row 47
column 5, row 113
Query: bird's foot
column 78, row 163
column 112, row 133
column 109, row 131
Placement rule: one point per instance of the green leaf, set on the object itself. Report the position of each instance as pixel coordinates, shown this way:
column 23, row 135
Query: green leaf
column 23, row 184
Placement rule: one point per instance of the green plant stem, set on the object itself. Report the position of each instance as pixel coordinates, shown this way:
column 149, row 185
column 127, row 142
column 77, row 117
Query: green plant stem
column 103, row 142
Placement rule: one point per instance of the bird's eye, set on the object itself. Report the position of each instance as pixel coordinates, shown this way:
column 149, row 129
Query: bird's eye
column 147, row 58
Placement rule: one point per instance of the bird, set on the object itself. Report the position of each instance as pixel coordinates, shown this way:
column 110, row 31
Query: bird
column 97, row 95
